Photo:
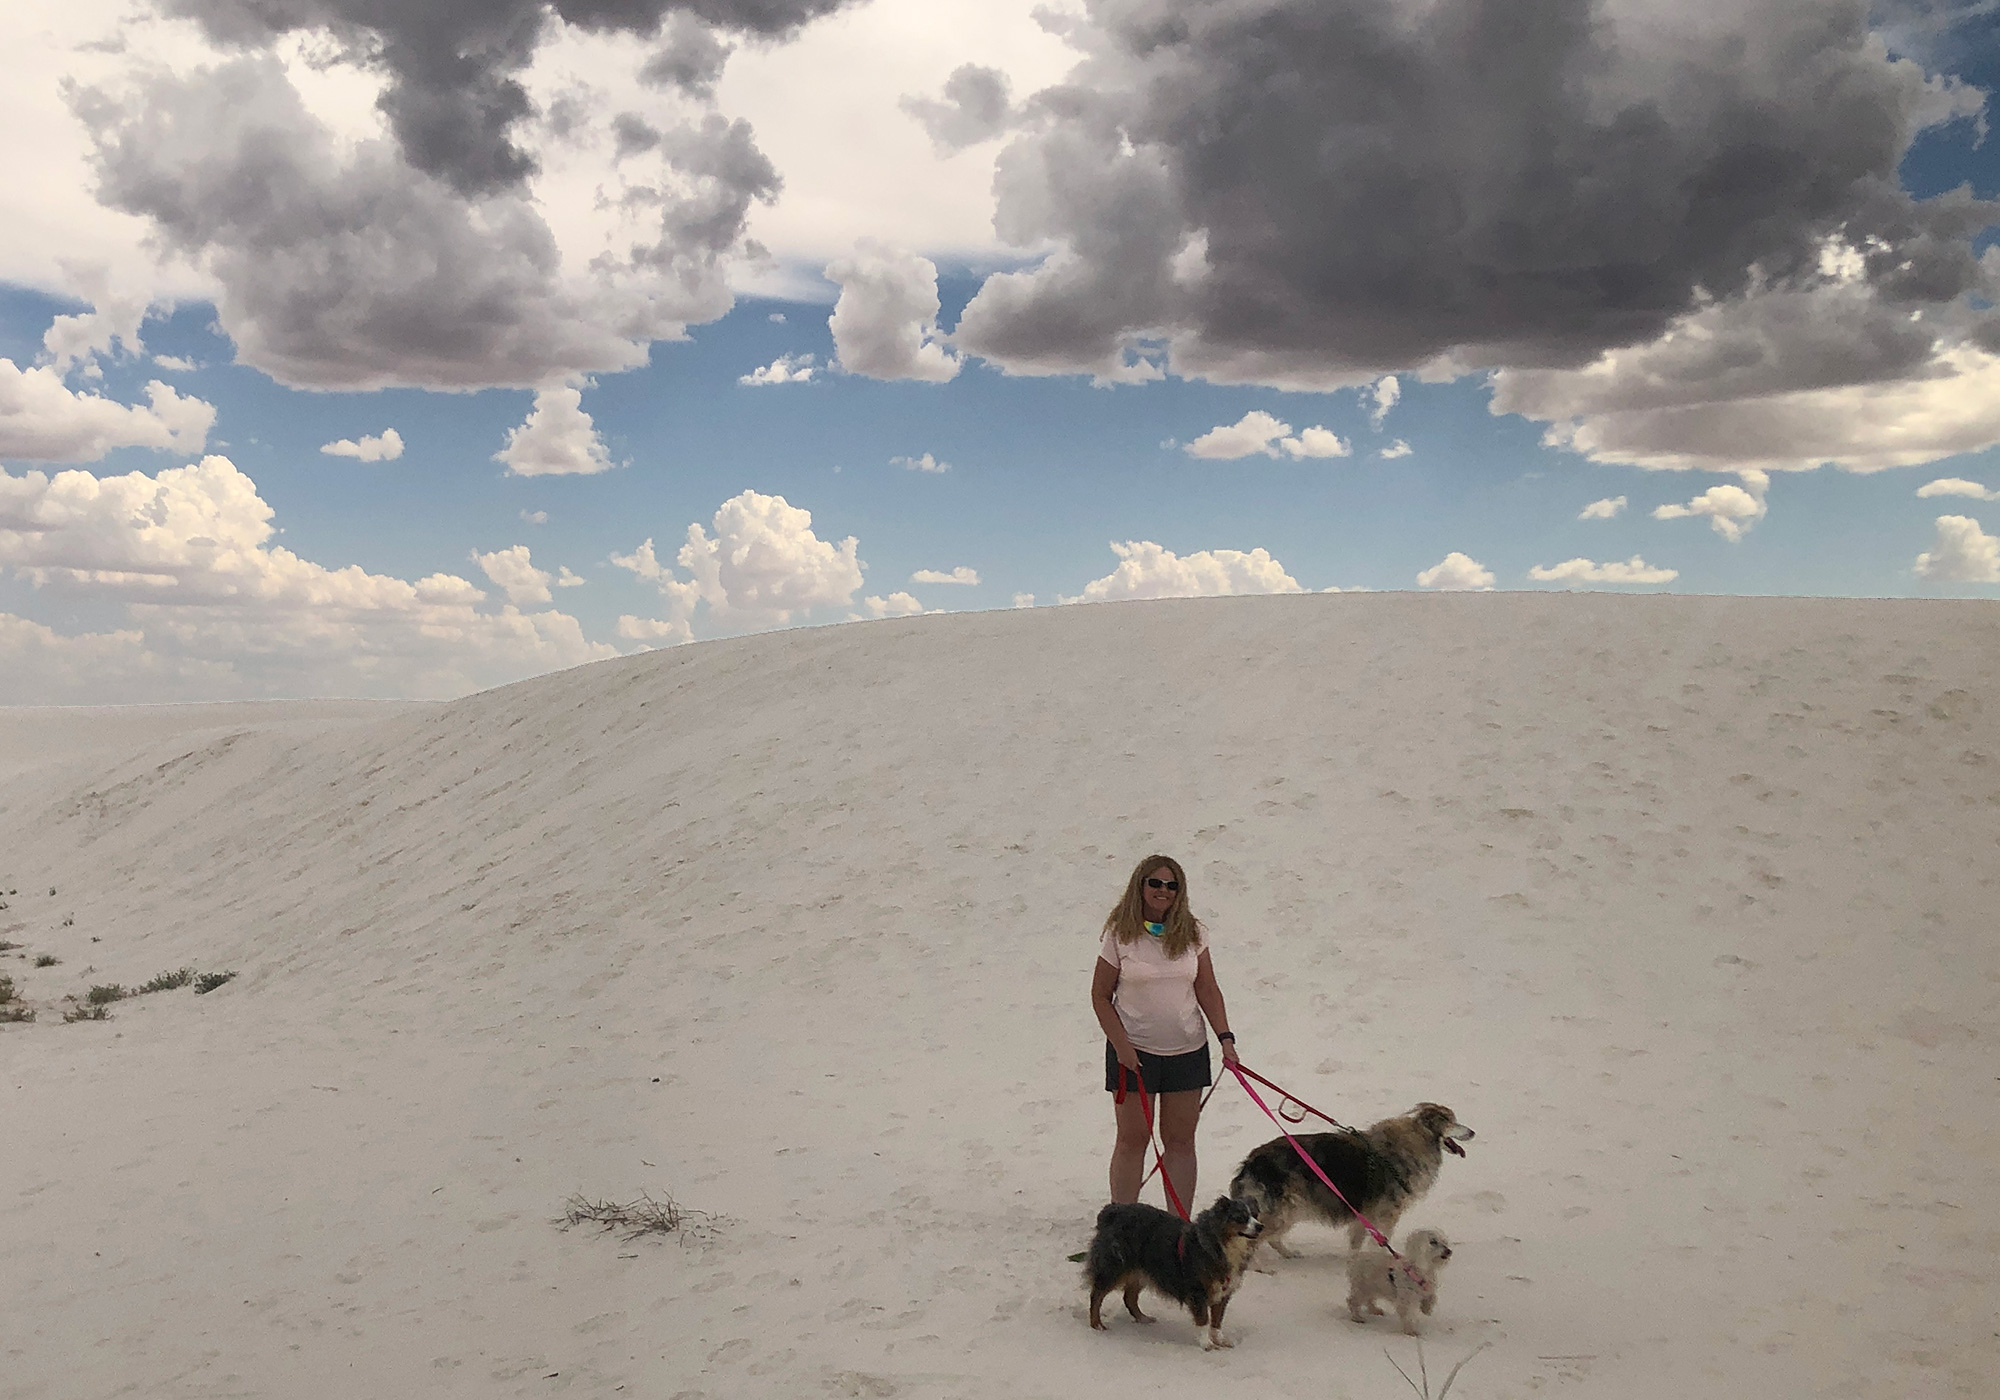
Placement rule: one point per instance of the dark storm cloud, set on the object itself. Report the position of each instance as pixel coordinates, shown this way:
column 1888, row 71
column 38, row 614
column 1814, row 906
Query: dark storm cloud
column 453, row 96
column 974, row 109
column 1310, row 191
column 690, row 57
column 719, row 173
column 359, row 272
column 634, row 135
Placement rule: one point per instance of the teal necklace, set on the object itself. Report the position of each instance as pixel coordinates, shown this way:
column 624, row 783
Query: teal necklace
column 1157, row 930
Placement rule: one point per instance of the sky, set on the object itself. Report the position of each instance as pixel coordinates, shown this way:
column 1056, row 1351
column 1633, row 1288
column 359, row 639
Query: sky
column 357, row 348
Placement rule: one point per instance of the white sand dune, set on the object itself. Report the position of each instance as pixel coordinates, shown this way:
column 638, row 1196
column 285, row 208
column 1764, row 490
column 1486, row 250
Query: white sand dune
column 1687, row 905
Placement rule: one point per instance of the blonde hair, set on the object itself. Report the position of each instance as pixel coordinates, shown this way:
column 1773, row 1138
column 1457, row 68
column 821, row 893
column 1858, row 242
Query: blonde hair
column 1128, row 919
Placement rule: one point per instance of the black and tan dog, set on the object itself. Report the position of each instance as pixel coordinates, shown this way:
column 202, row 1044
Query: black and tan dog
column 1380, row 1170
column 1197, row 1264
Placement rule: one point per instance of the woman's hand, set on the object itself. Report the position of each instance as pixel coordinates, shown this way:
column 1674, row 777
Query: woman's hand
column 1128, row 1056
column 1229, row 1051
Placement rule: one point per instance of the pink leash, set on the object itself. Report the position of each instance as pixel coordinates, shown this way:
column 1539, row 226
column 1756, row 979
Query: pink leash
column 1160, row 1162
column 1159, row 1157
column 1243, row 1077
column 1289, row 1097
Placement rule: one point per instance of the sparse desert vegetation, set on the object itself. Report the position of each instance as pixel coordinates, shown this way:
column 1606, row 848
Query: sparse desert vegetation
column 168, row 981
column 12, row 1009
column 46, row 960
column 104, row 993
column 643, row 1216
column 209, row 981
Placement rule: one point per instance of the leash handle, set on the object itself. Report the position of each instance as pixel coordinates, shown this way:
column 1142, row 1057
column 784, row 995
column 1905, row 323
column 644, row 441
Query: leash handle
column 1289, row 1098
column 1159, row 1157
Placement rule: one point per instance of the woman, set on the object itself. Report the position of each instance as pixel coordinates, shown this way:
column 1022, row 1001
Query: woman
column 1152, row 989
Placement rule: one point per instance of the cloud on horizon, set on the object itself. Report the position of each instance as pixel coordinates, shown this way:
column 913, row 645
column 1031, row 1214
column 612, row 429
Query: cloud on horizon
column 763, row 567
column 1149, row 570
column 219, row 611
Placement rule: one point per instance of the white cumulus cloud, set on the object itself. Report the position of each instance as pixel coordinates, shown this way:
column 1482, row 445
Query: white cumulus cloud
column 557, row 439
column 111, row 325
column 1398, row 448
column 1957, row 486
column 895, row 605
column 786, row 369
column 512, row 572
column 1602, row 510
column 763, row 567
column 962, row 574
column 925, row 463
column 222, row 612
column 1456, row 573
column 1384, row 392
column 386, row 448
column 1964, row 553
column 1260, row 432
column 885, row 322
column 1730, row 508
column 1633, row 570
column 42, row 420
column 1148, row 570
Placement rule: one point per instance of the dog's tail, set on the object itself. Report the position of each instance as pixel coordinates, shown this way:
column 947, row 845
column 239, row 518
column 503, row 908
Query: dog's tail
column 1105, row 1259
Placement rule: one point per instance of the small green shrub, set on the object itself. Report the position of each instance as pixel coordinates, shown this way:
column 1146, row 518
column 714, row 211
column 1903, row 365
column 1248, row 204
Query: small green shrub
column 6, row 947
column 17, row 1013
column 6, row 990
column 87, row 1013
column 106, row 992
column 46, row 960
column 168, row 981
column 209, row 981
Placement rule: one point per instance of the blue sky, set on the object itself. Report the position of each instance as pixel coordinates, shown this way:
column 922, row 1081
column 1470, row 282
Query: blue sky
column 1040, row 467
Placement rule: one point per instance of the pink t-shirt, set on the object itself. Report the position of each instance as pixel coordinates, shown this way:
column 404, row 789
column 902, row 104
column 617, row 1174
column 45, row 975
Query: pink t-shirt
column 1155, row 994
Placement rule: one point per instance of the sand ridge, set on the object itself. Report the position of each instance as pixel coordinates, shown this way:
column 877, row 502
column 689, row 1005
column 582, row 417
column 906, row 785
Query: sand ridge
column 1684, row 904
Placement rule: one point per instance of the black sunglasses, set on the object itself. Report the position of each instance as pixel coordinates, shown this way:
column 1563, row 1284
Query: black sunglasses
column 1153, row 884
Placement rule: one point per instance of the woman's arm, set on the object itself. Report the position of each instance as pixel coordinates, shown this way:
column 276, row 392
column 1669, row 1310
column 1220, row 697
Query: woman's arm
column 1102, row 983
column 1208, row 996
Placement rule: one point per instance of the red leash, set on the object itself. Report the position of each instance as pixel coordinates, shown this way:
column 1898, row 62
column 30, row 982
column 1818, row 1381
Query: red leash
column 1159, row 1157
column 1159, row 1163
column 1289, row 1097
column 1245, row 1077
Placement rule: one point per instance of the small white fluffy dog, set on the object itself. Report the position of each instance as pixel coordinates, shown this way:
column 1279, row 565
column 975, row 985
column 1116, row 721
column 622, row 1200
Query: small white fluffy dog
column 1373, row 1278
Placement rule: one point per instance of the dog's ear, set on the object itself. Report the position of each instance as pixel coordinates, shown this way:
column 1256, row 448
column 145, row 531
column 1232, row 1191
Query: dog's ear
column 1435, row 1118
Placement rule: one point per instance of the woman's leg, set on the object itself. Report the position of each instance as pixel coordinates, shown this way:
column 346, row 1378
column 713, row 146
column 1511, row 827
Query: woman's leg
column 1128, row 1154
column 1179, row 1114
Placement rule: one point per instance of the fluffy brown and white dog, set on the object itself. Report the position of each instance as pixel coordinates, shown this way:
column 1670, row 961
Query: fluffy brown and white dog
column 1380, row 1170
column 1373, row 1278
column 1196, row 1263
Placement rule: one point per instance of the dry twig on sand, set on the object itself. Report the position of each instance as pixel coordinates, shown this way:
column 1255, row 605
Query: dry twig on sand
column 644, row 1216
column 1424, row 1392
